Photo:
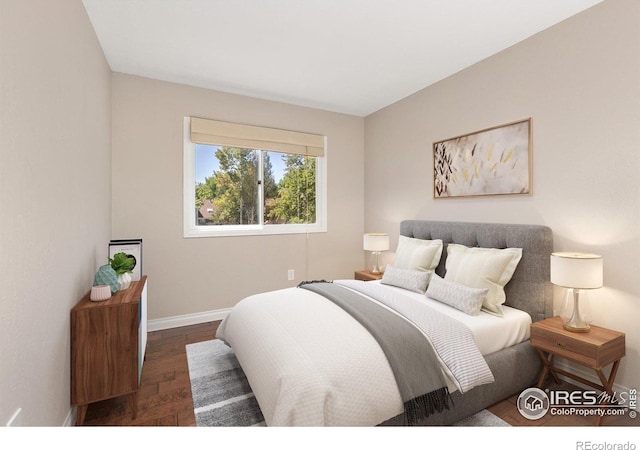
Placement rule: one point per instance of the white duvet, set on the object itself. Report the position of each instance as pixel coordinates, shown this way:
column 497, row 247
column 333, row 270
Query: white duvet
column 311, row 364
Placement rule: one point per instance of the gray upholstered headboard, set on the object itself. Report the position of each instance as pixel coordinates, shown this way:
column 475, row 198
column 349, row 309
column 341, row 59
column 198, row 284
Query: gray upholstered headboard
column 529, row 289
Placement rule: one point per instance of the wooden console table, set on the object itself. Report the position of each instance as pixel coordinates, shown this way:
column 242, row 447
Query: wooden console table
column 108, row 341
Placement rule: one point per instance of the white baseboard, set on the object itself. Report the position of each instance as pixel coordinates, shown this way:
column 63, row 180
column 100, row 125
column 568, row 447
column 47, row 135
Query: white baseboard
column 70, row 420
column 187, row 319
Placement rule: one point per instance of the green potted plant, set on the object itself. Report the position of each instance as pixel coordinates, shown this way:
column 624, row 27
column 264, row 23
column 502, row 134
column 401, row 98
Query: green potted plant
column 122, row 264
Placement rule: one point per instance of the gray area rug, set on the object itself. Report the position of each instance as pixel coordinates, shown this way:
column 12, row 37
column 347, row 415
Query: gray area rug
column 222, row 396
column 221, row 393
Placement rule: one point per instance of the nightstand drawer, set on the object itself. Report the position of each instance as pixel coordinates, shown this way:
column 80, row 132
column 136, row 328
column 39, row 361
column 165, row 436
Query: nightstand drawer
column 564, row 346
column 594, row 348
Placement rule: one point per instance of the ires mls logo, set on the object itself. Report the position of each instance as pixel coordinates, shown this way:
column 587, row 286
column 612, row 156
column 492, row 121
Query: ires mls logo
column 633, row 403
column 533, row 403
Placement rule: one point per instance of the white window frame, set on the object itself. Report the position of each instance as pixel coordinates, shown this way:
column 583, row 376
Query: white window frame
column 193, row 230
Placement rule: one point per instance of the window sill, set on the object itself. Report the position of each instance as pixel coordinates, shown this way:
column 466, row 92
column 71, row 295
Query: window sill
column 250, row 230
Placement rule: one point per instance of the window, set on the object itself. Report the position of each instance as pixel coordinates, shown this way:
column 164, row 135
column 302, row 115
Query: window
column 245, row 180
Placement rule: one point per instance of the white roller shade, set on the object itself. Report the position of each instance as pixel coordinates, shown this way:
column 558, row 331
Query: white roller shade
column 213, row 132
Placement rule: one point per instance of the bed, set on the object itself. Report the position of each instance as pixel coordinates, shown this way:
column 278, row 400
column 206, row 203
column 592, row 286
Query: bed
column 311, row 363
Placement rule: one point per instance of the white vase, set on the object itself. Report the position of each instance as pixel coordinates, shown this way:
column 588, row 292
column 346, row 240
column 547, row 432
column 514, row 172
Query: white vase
column 100, row 293
column 124, row 280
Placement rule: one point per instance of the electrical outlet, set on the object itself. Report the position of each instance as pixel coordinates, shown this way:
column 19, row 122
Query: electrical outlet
column 291, row 274
column 16, row 419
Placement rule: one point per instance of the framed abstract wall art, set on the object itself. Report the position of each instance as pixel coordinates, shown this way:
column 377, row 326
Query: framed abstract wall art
column 494, row 161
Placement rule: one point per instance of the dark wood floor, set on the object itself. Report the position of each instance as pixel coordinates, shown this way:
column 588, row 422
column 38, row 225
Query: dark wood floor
column 165, row 394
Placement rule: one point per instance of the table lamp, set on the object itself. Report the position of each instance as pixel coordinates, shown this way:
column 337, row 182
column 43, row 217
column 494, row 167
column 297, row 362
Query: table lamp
column 376, row 243
column 577, row 272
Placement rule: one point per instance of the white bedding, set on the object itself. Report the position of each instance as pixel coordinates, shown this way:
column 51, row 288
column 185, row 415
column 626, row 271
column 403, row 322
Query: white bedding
column 309, row 363
column 490, row 332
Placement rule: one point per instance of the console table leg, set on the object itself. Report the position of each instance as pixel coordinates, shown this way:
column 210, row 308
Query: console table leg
column 81, row 414
column 133, row 404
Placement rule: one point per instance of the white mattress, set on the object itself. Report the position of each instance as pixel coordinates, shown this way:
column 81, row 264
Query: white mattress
column 490, row 332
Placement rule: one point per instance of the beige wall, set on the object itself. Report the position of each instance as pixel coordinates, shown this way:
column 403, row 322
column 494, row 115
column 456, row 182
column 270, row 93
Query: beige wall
column 55, row 196
column 197, row 275
column 579, row 82
column 63, row 191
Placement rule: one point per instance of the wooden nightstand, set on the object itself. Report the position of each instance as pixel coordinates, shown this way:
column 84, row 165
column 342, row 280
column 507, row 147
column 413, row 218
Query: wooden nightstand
column 597, row 348
column 366, row 275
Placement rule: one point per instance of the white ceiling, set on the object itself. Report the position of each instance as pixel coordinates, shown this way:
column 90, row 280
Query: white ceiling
column 350, row 56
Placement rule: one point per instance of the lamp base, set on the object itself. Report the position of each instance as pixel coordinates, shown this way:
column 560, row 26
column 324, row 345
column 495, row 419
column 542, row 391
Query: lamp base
column 376, row 269
column 576, row 323
column 576, row 329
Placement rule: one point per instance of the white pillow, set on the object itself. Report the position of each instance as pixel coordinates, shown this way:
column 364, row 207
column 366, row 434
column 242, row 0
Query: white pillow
column 464, row 298
column 478, row 267
column 412, row 280
column 418, row 254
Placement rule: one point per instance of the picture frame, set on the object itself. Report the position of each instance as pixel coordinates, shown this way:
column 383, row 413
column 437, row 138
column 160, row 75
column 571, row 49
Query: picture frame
column 493, row 161
column 133, row 248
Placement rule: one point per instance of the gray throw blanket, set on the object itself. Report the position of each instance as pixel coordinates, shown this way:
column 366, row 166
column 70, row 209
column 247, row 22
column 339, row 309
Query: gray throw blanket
column 415, row 366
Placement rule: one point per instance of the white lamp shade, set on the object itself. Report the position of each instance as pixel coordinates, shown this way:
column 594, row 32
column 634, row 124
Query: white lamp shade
column 376, row 242
column 576, row 270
